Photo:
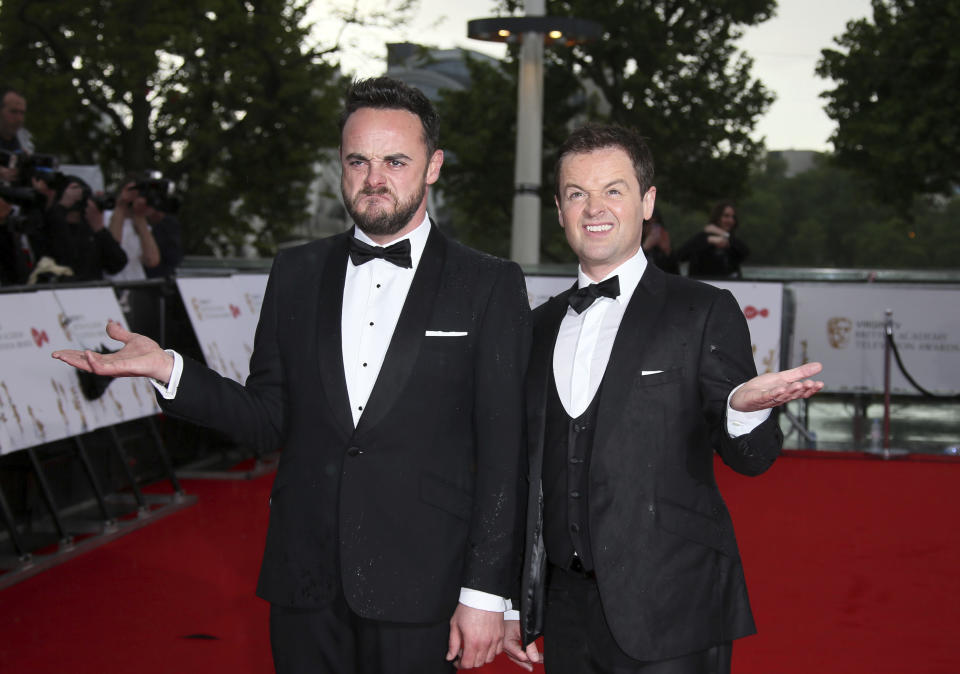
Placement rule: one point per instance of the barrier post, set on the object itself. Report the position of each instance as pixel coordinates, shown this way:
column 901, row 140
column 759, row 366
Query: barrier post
column 888, row 334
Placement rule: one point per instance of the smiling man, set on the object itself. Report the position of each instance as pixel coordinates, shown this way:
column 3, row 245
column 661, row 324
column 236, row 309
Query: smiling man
column 631, row 563
column 388, row 365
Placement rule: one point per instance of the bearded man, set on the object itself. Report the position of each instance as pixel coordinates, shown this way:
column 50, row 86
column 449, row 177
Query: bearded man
column 388, row 364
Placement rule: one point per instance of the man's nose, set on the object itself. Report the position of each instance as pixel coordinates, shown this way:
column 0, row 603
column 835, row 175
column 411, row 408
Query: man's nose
column 375, row 175
column 595, row 205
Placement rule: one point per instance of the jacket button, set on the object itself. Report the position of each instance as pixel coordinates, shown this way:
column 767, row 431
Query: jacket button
column 574, row 494
column 575, row 528
column 354, row 451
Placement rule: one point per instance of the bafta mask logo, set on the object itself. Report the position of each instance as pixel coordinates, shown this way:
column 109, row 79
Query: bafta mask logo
column 234, row 310
column 838, row 331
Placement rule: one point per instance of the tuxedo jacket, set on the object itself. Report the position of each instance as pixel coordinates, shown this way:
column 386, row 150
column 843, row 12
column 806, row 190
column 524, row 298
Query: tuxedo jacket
column 421, row 498
column 666, row 560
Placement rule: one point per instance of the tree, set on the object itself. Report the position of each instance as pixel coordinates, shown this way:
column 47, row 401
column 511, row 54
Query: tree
column 228, row 99
column 479, row 132
column 668, row 68
column 671, row 69
column 895, row 101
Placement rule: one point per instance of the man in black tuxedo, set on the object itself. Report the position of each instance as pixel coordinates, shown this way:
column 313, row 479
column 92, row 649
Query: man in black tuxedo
column 388, row 365
column 631, row 562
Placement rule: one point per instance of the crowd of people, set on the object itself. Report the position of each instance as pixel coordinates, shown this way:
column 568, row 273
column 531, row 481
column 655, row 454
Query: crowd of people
column 54, row 228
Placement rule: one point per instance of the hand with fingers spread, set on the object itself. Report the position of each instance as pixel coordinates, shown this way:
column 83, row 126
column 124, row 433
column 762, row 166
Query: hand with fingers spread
column 139, row 357
column 776, row 388
column 513, row 647
column 476, row 637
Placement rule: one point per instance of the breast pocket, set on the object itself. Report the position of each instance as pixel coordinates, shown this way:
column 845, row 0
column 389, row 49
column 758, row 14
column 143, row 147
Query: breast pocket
column 659, row 378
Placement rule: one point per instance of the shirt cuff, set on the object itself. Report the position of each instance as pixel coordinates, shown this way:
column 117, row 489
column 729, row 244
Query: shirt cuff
column 483, row 600
column 511, row 614
column 741, row 423
column 169, row 390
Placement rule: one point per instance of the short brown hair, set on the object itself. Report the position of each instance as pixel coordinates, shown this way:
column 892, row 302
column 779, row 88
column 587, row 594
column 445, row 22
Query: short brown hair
column 592, row 137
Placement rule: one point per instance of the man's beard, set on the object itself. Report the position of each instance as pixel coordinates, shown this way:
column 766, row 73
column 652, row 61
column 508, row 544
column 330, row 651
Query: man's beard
column 378, row 220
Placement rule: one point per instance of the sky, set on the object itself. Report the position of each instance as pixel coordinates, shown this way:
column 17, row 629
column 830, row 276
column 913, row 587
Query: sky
column 785, row 50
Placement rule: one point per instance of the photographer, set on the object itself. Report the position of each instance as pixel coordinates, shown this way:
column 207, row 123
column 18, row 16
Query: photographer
column 161, row 214
column 13, row 267
column 75, row 236
column 129, row 226
column 13, row 137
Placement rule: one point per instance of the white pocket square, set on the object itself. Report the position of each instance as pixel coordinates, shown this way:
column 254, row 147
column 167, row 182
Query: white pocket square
column 444, row 333
column 644, row 373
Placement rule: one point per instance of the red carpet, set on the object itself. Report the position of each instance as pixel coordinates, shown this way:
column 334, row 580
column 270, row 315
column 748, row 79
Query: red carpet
column 853, row 566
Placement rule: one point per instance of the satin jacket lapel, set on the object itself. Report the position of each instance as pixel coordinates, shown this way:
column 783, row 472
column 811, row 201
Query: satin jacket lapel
column 637, row 329
column 329, row 311
column 540, row 374
column 409, row 334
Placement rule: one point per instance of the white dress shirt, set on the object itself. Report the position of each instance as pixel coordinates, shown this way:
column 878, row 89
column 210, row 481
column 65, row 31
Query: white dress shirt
column 585, row 341
column 373, row 297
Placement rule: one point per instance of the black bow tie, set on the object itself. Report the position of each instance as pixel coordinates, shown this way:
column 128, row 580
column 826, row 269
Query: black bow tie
column 584, row 297
column 398, row 253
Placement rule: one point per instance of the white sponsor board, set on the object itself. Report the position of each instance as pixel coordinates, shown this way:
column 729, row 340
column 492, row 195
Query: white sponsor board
column 843, row 328
column 222, row 321
column 761, row 303
column 41, row 398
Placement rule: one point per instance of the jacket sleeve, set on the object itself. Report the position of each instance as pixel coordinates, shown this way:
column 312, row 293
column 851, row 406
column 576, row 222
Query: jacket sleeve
column 726, row 361
column 494, row 548
column 250, row 413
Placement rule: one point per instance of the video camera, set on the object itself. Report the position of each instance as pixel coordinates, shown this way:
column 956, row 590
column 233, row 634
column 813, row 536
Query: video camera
column 43, row 167
column 29, row 202
column 158, row 191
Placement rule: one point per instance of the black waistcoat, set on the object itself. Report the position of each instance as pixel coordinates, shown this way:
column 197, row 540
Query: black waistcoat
column 568, row 443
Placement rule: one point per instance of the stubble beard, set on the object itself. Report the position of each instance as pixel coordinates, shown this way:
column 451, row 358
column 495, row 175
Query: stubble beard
column 380, row 220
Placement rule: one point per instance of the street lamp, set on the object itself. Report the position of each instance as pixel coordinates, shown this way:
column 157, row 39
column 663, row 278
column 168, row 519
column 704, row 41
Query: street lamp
column 531, row 32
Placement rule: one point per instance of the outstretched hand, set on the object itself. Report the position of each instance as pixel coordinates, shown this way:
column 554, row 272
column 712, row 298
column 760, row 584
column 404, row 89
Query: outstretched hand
column 139, row 357
column 776, row 388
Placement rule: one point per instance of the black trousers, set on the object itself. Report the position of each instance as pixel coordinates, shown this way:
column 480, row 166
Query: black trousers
column 335, row 640
column 577, row 638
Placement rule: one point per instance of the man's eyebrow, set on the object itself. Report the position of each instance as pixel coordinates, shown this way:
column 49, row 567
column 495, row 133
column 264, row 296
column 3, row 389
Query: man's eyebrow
column 399, row 156
column 618, row 181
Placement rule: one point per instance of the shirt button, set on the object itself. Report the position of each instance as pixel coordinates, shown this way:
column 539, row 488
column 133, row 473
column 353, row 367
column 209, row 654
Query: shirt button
column 364, row 364
column 371, row 322
column 360, row 407
column 378, row 285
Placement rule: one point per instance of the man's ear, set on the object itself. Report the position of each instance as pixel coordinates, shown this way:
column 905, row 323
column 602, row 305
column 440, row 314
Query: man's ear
column 649, row 199
column 433, row 166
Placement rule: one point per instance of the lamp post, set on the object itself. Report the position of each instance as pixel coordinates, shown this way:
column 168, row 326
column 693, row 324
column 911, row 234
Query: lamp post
column 532, row 32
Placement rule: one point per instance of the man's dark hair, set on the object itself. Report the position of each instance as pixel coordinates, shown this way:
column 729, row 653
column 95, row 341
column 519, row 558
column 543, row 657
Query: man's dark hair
column 385, row 93
column 592, row 137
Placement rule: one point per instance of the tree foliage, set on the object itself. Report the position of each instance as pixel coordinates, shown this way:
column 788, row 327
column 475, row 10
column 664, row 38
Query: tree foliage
column 225, row 98
column 671, row 69
column 828, row 217
column 667, row 67
column 479, row 133
column 896, row 96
